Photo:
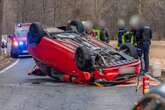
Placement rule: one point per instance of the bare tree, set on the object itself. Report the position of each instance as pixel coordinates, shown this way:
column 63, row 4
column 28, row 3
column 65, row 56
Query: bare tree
column 58, row 12
column 140, row 7
column 1, row 15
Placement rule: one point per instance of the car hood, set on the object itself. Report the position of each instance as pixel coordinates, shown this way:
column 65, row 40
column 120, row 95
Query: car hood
column 21, row 38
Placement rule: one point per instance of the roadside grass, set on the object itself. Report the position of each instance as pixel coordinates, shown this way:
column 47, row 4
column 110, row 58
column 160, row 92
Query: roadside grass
column 5, row 60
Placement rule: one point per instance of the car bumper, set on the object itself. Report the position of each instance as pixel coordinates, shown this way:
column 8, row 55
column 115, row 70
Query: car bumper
column 118, row 74
column 20, row 51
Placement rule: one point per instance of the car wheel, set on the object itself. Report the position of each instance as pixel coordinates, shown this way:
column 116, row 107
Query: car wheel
column 129, row 49
column 84, row 59
column 13, row 55
column 79, row 26
column 36, row 32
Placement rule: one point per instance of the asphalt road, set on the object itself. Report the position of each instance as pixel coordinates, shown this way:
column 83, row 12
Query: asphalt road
column 18, row 91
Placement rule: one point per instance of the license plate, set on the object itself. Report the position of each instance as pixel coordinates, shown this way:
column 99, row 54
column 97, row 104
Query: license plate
column 25, row 51
column 127, row 70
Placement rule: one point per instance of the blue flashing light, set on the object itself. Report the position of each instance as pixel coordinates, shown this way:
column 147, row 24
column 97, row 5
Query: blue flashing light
column 20, row 43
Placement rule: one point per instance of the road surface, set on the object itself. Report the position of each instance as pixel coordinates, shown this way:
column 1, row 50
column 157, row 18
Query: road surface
column 18, row 91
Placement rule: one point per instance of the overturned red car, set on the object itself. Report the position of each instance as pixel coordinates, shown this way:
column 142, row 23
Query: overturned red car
column 68, row 55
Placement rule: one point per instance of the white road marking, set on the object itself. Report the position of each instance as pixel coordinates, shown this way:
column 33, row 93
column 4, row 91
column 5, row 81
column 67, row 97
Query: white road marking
column 127, row 85
column 155, row 83
column 10, row 66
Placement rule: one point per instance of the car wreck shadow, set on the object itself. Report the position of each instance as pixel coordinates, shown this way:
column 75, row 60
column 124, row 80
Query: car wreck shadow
column 42, row 80
column 46, row 81
column 26, row 56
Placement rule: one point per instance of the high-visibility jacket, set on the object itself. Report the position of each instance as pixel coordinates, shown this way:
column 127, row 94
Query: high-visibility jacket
column 119, row 35
column 97, row 31
column 102, row 34
column 128, row 38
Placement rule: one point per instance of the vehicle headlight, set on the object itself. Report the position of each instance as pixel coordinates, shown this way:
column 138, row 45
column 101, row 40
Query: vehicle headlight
column 15, row 43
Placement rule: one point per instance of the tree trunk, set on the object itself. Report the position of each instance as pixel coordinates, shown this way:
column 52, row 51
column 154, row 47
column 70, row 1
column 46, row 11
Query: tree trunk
column 140, row 7
column 1, row 17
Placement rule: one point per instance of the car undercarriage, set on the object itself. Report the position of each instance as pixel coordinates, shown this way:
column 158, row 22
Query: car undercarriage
column 79, row 58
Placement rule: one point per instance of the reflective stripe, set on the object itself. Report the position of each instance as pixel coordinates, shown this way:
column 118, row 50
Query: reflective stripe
column 123, row 38
column 133, row 40
column 97, row 31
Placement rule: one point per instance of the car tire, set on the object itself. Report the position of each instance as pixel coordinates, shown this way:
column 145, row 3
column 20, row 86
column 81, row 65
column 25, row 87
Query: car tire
column 13, row 55
column 83, row 59
column 130, row 50
column 79, row 26
column 36, row 32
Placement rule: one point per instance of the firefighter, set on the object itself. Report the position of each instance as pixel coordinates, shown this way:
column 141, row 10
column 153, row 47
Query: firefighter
column 137, row 30
column 122, row 30
column 128, row 37
column 102, row 32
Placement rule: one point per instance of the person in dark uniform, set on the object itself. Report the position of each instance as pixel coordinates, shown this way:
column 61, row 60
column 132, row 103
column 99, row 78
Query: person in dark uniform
column 147, row 36
column 143, row 36
column 137, row 30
